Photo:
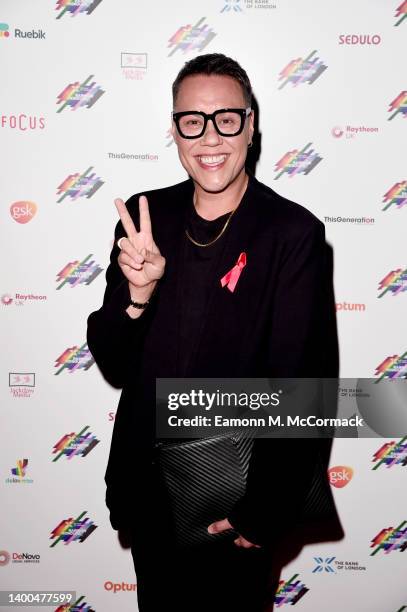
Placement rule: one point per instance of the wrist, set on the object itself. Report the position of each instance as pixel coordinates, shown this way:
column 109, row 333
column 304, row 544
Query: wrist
column 139, row 295
column 142, row 294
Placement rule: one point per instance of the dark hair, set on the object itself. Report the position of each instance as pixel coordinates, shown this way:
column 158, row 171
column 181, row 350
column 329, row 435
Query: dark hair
column 214, row 63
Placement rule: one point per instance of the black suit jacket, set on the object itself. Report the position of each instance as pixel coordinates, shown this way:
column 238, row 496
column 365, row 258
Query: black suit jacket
column 279, row 322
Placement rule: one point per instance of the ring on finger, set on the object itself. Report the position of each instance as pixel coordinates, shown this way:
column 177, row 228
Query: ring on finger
column 119, row 242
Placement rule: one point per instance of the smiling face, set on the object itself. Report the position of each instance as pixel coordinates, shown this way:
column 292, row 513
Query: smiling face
column 214, row 162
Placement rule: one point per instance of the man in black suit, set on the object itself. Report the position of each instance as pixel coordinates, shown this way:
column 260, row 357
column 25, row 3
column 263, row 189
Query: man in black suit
column 167, row 313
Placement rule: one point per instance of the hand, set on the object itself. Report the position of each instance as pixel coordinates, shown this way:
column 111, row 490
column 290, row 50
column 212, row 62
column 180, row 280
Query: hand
column 140, row 259
column 220, row 526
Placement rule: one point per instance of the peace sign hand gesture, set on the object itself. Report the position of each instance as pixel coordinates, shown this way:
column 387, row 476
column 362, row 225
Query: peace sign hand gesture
column 140, row 259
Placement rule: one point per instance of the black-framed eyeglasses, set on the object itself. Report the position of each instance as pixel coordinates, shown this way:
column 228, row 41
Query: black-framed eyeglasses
column 227, row 121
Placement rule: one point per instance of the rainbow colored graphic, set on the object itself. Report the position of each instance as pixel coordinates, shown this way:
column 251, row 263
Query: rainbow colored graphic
column 297, row 162
column 78, row 272
column 191, row 38
column 74, row 444
column 401, row 12
column 395, row 282
column 289, row 591
column 20, row 469
column 391, row 453
column 76, row 607
column 79, row 185
column 392, row 538
column 399, row 105
column 75, row 358
column 300, row 70
column 78, row 94
column 74, row 7
column 73, row 530
column 392, row 367
column 396, row 195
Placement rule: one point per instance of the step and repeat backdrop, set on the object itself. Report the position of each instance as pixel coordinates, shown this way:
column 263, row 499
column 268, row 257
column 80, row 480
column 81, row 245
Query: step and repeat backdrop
column 85, row 104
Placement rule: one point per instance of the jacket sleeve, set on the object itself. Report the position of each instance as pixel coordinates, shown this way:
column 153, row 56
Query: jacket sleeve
column 113, row 337
column 302, row 343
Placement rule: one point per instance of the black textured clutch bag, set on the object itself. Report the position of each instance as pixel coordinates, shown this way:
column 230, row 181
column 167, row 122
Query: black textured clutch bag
column 205, row 477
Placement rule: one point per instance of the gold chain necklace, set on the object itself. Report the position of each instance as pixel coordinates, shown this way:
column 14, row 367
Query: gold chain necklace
column 217, row 237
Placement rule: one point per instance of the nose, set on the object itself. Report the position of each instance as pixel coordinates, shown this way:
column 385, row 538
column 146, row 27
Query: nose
column 210, row 136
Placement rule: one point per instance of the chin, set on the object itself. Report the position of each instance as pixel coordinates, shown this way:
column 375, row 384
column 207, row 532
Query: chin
column 213, row 184
column 212, row 187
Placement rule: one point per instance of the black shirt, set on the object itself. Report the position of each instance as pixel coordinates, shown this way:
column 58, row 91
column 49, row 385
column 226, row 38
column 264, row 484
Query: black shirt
column 197, row 264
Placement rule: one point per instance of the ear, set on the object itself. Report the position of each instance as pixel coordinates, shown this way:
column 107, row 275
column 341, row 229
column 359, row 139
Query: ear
column 251, row 126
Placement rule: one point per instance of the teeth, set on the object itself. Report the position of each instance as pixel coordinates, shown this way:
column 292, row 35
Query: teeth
column 212, row 159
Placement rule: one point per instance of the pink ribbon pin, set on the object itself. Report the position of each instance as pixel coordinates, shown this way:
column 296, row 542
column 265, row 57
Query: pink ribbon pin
column 230, row 279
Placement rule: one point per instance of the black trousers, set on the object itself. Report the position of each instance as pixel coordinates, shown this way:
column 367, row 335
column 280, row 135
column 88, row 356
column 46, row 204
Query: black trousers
column 218, row 577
